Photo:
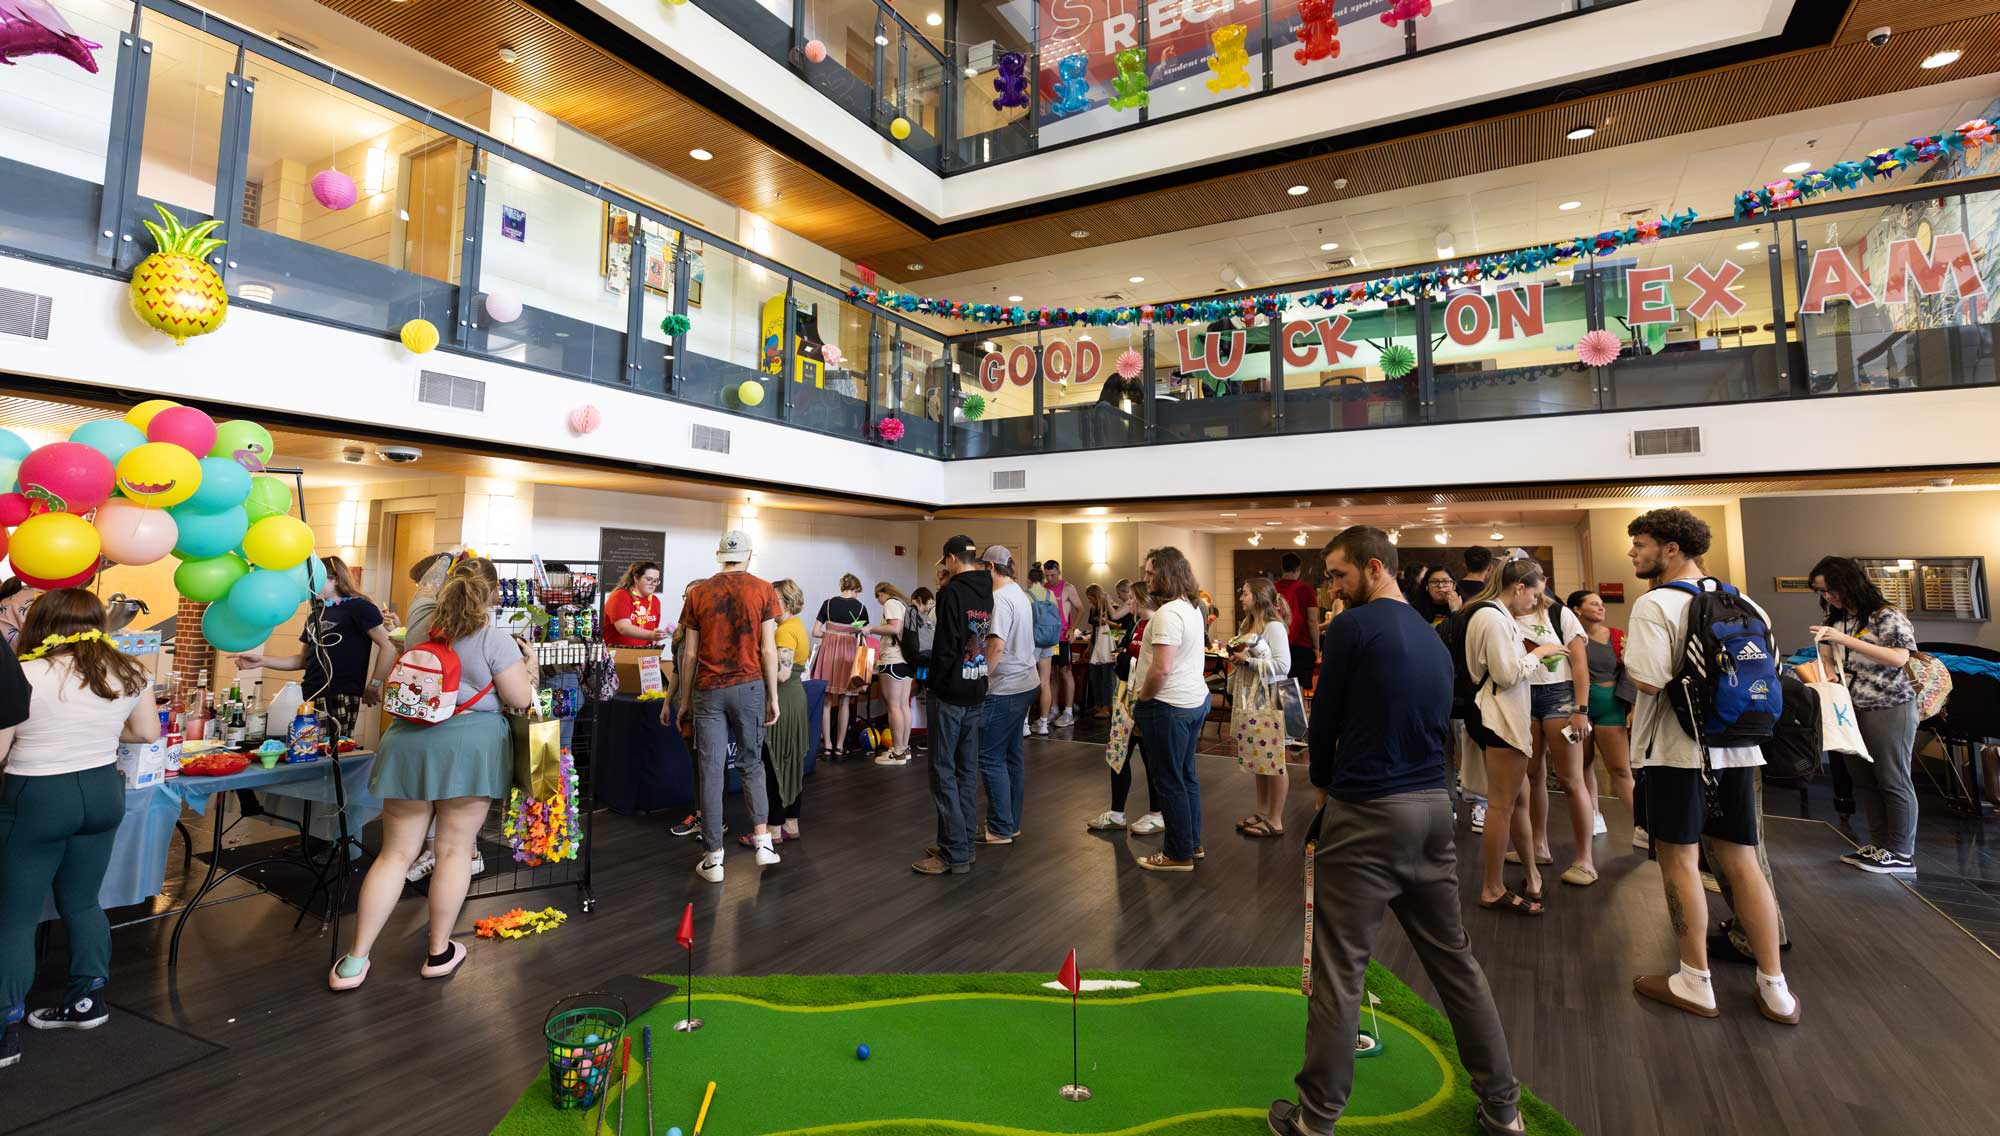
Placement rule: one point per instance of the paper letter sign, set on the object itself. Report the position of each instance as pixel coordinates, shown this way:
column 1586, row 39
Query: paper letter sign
column 993, row 371
column 1088, row 359
column 1021, row 365
column 1948, row 251
column 1714, row 289
column 1211, row 355
column 1055, row 362
column 1521, row 311
column 1834, row 275
column 1295, row 356
column 1333, row 337
column 1454, row 318
column 1646, row 296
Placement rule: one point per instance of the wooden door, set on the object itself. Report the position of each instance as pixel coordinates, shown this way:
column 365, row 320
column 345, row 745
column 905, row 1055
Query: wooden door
column 415, row 538
column 435, row 202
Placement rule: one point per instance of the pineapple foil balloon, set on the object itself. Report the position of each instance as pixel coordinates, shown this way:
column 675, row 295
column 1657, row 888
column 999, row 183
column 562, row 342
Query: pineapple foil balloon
column 175, row 290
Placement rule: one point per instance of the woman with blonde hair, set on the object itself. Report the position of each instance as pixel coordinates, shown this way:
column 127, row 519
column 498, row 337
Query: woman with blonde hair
column 1103, row 657
column 451, row 770
column 61, row 799
column 1260, row 657
column 894, row 671
column 837, row 627
column 785, row 743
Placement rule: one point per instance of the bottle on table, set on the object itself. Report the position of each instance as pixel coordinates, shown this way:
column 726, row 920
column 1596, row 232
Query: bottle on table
column 255, row 724
column 303, row 737
column 233, row 732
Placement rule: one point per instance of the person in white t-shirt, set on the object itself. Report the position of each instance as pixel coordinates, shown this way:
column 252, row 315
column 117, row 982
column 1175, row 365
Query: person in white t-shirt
column 1172, row 704
column 894, row 671
column 1666, row 543
column 1559, row 696
column 1011, row 685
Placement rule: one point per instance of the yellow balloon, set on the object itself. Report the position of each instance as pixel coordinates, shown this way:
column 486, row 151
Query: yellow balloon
column 900, row 128
column 751, row 393
column 54, row 546
column 158, row 474
column 141, row 415
column 278, row 543
column 420, row 335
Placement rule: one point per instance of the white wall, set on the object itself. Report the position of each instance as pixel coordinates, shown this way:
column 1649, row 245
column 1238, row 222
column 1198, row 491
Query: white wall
column 59, row 115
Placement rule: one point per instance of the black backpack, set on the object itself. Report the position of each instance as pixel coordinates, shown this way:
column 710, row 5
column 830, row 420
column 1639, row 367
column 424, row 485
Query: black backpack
column 1463, row 690
column 910, row 642
column 1725, row 689
column 1793, row 755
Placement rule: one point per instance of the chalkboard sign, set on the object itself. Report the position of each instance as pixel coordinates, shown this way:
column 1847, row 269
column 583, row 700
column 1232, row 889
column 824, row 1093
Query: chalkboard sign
column 618, row 549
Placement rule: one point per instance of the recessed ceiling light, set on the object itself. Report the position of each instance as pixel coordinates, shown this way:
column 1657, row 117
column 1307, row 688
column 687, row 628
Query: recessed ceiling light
column 1274, row 522
column 1013, row 299
column 916, row 266
column 1579, row 133
column 1329, row 246
column 699, row 154
column 1798, row 167
column 1135, row 279
column 1942, row 59
column 1096, row 510
column 1736, row 287
column 882, row 41
column 1746, row 246
column 935, row 20
column 509, row 55
column 1569, row 205
column 1084, row 338
column 1496, row 534
column 1299, row 190
column 1435, row 508
column 1079, row 234
column 1225, row 514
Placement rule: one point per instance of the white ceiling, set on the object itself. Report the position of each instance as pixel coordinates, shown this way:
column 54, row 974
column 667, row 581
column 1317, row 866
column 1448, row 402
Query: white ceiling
column 1488, row 212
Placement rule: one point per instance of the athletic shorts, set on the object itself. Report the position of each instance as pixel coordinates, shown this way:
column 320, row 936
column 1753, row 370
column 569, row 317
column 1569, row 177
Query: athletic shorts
column 896, row 670
column 1553, row 700
column 1062, row 653
column 1607, row 709
column 1669, row 804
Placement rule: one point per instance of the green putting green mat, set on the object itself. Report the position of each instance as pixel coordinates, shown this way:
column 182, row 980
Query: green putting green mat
column 1178, row 1053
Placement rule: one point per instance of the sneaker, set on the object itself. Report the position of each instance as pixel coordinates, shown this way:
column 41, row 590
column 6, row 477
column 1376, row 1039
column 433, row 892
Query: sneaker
column 893, row 757
column 1860, row 855
column 1158, row 862
column 1066, row 718
column 688, row 826
column 1041, row 727
column 710, row 868
column 932, row 866
column 1598, row 827
column 87, row 1012
column 1479, row 816
column 1106, row 821
column 421, row 866
column 1025, row 732
column 766, row 855
column 1882, row 862
column 10, row 1044
column 1200, row 853
column 1148, row 825
column 1641, row 838
column 478, row 864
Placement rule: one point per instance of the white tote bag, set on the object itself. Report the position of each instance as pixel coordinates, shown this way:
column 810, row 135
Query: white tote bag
column 1839, row 730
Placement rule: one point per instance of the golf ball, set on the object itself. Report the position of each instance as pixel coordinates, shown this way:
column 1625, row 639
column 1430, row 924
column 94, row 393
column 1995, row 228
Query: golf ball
column 591, row 1040
column 861, row 1052
column 673, row 1132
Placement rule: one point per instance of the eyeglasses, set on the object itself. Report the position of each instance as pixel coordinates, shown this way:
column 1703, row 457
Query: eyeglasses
column 650, row 578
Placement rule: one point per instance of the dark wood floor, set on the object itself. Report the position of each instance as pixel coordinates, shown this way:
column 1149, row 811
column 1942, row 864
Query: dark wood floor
column 1902, row 1009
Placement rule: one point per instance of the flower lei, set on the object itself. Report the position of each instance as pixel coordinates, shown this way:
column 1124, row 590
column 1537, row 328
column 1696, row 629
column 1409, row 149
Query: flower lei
column 519, row 924
column 652, row 696
column 54, row 641
column 544, row 831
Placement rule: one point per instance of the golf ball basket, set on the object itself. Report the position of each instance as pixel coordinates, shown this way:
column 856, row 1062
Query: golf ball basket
column 583, row 1032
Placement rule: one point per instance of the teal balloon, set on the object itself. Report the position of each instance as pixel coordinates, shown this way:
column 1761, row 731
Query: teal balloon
column 111, row 437
column 222, row 628
column 204, row 535
column 207, row 581
column 224, row 485
column 264, row 599
column 310, row 573
column 12, row 447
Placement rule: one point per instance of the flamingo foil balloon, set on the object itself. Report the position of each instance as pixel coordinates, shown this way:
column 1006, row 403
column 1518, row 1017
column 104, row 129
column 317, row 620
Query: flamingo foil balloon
column 34, row 27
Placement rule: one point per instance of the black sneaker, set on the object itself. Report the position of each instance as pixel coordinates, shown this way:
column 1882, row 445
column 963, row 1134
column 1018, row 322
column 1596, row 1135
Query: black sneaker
column 1883, row 862
column 688, row 826
column 1859, row 856
column 87, row 1012
column 10, row 1044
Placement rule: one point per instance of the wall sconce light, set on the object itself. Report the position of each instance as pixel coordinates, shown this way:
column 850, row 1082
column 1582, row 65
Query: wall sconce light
column 1256, row 538
column 1300, row 539
column 344, row 521
column 376, row 171
column 1442, row 537
column 1100, row 547
column 1395, row 537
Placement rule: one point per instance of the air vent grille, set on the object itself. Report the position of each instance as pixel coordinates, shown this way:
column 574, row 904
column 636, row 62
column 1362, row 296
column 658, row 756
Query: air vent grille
column 713, row 439
column 24, row 313
column 1666, row 442
column 1009, row 480
column 454, row 391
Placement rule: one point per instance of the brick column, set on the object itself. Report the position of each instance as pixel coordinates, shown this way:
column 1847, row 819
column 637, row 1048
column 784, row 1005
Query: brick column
column 193, row 656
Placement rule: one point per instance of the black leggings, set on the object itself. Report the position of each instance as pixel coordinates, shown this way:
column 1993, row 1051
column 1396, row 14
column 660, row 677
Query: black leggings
column 779, row 813
column 1121, row 781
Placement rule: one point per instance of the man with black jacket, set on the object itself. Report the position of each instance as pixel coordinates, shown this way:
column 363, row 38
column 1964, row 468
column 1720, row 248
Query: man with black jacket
column 957, row 689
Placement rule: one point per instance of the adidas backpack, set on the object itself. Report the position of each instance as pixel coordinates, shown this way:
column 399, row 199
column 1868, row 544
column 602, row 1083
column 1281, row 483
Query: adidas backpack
column 423, row 685
column 1726, row 688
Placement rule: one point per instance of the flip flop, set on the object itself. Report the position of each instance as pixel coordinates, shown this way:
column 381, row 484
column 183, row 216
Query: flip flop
column 1512, row 904
column 1765, row 1009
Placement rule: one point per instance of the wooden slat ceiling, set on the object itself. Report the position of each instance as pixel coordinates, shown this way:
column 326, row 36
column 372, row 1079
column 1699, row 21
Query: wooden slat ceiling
column 594, row 90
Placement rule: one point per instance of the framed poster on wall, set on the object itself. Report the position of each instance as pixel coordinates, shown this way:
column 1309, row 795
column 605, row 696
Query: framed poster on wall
column 662, row 243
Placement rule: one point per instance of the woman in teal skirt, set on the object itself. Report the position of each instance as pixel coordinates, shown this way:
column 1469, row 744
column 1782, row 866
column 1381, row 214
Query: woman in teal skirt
column 451, row 770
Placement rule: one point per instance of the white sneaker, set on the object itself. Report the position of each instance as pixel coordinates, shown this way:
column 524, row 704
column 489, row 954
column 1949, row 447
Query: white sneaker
column 766, row 855
column 710, row 868
column 478, row 864
column 1106, row 821
column 422, row 865
column 1597, row 827
column 1066, row 718
column 1024, row 728
column 893, row 757
column 1148, row 825
column 1640, row 839
column 1479, row 816
column 1042, row 727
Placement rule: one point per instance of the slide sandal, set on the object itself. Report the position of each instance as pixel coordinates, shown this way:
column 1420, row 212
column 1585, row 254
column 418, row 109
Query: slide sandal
column 1513, row 905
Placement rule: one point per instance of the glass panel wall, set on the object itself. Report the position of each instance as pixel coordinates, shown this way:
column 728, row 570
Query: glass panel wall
column 1696, row 318
column 1087, row 404
column 189, row 71
column 1449, row 23
column 659, row 276
column 1505, row 349
column 1334, row 371
column 54, row 137
column 1001, row 371
column 918, row 95
column 1361, row 39
column 1216, row 386
column 854, row 60
column 735, row 318
column 983, row 131
column 543, row 250
column 351, row 213
column 825, row 396
column 923, row 382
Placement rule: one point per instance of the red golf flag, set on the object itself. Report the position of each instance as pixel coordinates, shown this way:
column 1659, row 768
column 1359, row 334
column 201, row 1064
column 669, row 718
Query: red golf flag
column 685, row 936
column 1067, row 976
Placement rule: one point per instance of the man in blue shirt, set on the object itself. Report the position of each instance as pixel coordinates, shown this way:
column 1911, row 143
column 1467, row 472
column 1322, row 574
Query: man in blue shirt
column 1382, row 841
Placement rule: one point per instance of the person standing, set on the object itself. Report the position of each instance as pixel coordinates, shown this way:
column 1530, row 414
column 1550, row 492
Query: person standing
column 1478, row 561
column 632, row 611
column 1559, row 695
column 1383, row 841
column 1103, row 658
column 1121, row 778
column 1039, row 595
column 785, row 743
column 338, row 674
column 1438, row 596
column 1611, row 697
column 1496, row 661
column 1259, row 659
column 841, row 615
column 894, row 671
column 1069, row 604
column 1010, row 686
column 63, row 712
column 1876, row 639
column 1688, row 790
column 957, row 687
column 731, row 623
column 16, row 597
column 1302, row 604
column 1172, row 702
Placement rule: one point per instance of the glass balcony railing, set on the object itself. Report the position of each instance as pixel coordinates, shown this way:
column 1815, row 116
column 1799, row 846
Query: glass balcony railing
column 983, row 81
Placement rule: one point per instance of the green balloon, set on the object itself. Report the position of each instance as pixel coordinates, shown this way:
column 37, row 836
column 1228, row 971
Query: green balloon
column 269, row 497
column 208, row 581
column 245, row 443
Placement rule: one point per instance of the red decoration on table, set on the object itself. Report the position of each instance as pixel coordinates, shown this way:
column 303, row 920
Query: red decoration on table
column 214, row 764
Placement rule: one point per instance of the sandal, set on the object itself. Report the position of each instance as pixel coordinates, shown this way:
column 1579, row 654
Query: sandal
column 1513, row 905
column 1514, row 857
column 1246, row 822
column 1261, row 828
column 1576, row 875
column 777, row 836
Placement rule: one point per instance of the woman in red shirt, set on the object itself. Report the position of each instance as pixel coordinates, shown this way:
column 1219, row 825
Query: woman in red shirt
column 632, row 612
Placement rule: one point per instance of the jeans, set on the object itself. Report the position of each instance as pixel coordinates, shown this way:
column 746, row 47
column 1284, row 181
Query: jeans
column 1882, row 787
column 1171, row 733
column 720, row 714
column 955, row 776
column 1002, row 751
column 56, row 830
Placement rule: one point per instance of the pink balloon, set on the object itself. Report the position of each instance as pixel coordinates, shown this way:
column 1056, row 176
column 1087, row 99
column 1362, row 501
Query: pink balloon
column 183, row 426
column 134, row 535
column 66, row 477
column 13, row 510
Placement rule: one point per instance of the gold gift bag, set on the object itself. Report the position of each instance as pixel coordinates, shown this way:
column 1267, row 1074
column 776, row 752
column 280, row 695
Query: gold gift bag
column 537, row 743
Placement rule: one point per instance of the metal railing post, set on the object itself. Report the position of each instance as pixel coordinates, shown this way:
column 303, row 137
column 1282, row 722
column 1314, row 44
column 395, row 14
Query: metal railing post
column 127, row 142
column 474, row 238
column 232, row 156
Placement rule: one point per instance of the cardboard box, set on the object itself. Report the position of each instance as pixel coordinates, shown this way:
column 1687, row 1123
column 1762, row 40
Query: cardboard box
column 143, row 765
column 627, row 662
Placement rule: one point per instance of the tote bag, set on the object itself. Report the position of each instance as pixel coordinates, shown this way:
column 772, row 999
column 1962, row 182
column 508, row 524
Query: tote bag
column 1256, row 723
column 1292, row 703
column 537, row 751
column 1120, row 743
column 1839, row 730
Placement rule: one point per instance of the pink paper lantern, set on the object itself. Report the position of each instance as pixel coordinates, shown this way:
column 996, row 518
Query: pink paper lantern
column 503, row 307
column 832, row 355
column 585, row 419
column 334, row 190
column 1598, row 348
column 815, row 51
column 889, row 430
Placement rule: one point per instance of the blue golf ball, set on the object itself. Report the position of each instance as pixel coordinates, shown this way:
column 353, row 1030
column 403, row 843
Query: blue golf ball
column 673, row 1132
column 861, row 1052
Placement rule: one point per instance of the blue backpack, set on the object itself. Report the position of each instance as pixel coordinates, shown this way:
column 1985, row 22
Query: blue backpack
column 1726, row 688
column 1048, row 620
